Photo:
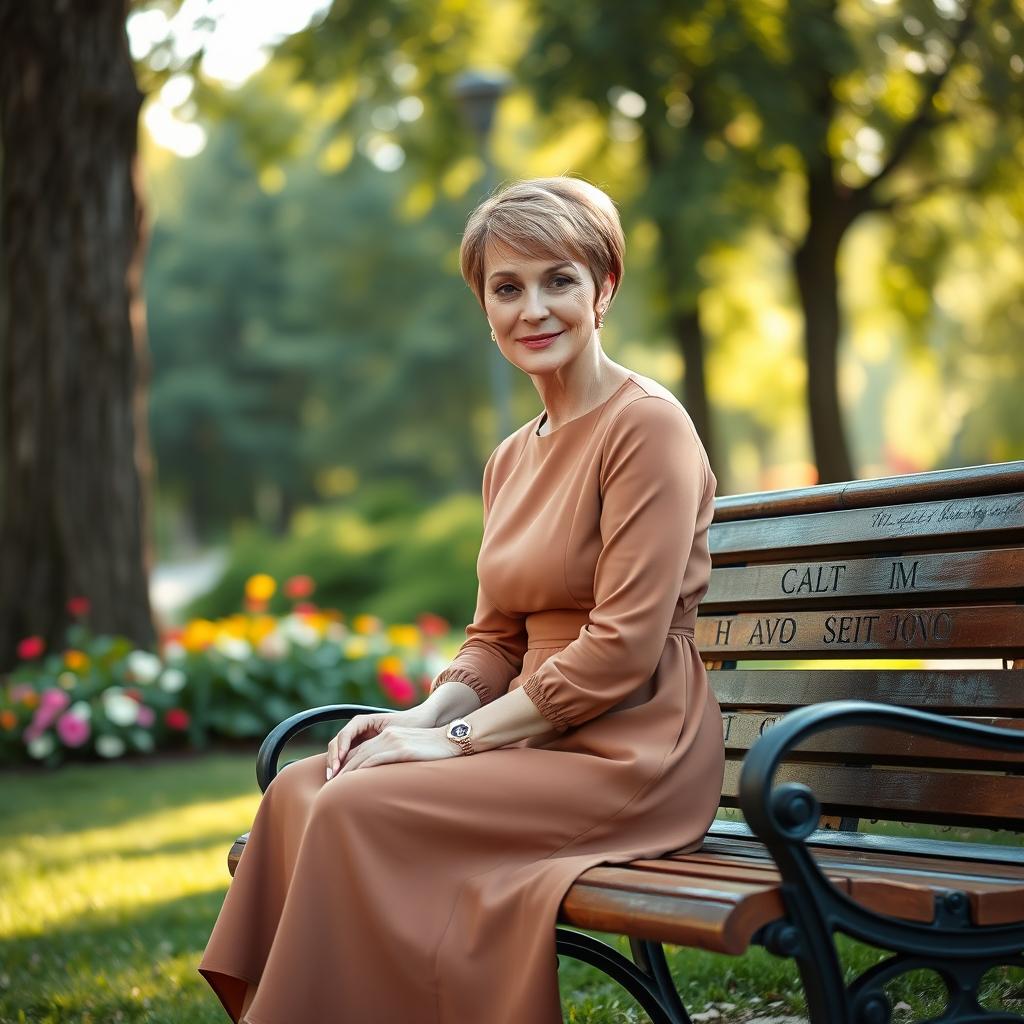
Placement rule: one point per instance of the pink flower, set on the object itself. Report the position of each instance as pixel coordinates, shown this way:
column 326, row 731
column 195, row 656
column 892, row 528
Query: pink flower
column 51, row 704
column 397, row 688
column 54, row 699
column 72, row 730
column 146, row 716
column 31, row 647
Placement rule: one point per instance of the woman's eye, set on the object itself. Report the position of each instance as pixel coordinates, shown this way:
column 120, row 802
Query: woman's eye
column 561, row 277
column 501, row 290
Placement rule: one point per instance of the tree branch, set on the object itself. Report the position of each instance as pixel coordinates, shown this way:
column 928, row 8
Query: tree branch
column 922, row 117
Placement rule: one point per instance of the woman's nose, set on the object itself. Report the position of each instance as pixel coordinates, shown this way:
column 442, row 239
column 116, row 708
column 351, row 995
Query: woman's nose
column 534, row 307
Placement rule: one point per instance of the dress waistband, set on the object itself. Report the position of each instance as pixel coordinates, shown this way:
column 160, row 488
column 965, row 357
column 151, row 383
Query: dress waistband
column 557, row 625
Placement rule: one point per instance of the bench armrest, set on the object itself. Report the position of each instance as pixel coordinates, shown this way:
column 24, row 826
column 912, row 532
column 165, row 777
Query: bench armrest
column 273, row 744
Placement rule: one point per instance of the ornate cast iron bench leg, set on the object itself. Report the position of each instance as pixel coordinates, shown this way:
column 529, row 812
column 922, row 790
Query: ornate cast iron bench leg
column 647, row 981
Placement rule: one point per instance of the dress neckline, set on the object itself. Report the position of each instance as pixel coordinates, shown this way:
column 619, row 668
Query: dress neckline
column 579, row 419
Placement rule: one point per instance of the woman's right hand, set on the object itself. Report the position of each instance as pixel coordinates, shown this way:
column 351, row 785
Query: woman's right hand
column 364, row 727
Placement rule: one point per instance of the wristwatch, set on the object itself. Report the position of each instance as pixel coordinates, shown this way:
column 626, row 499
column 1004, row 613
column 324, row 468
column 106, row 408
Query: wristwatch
column 458, row 732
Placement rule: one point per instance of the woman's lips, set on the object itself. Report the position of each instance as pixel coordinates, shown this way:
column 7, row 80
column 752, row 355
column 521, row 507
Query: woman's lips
column 543, row 342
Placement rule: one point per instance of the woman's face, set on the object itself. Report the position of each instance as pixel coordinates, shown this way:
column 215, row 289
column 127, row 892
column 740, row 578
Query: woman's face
column 543, row 311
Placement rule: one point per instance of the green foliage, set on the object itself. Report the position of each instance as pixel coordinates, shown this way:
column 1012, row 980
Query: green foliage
column 377, row 553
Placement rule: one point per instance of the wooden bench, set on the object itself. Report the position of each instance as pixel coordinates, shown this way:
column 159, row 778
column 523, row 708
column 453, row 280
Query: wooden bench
column 923, row 566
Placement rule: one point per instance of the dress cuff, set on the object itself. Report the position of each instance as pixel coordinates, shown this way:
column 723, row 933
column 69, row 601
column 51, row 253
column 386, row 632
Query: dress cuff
column 463, row 675
column 553, row 714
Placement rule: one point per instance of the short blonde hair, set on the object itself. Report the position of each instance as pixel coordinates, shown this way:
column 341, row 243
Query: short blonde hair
column 548, row 218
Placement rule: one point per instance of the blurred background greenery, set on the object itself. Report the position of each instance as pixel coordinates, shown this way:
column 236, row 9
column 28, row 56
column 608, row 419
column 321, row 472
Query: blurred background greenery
column 312, row 339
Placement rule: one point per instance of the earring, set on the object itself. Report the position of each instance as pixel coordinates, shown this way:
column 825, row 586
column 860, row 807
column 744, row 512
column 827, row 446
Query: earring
column 493, row 336
column 600, row 318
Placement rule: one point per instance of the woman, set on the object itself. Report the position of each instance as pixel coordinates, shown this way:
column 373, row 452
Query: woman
column 414, row 872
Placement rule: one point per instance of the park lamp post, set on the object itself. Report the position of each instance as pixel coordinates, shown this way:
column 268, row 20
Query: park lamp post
column 477, row 94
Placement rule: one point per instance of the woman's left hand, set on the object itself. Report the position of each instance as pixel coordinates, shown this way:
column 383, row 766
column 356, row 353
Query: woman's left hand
column 399, row 743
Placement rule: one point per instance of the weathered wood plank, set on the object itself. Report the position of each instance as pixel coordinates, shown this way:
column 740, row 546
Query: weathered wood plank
column 874, row 746
column 951, row 691
column 895, row 579
column 994, row 631
column 969, row 522
column 903, row 794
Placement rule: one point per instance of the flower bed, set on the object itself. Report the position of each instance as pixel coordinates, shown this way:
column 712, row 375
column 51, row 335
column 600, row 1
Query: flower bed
column 231, row 678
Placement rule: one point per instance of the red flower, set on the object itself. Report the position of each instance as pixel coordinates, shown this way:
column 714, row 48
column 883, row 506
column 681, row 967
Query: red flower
column 398, row 688
column 31, row 647
column 177, row 719
column 134, row 694
column 299, row 586
column 432, row 625
column 306, row 608
column 79, row 606
column 256, row 606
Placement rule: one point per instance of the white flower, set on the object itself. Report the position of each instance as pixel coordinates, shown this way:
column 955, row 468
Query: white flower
column 172, row 680
column 81, row 709
column 41, row 746
column 273, row 646
column 336, row 631
column 233, row 647
column 173, row 651
column 121, row 710
column 299, row 632
column 143, row 666
column 434, row 663
column 110, row 746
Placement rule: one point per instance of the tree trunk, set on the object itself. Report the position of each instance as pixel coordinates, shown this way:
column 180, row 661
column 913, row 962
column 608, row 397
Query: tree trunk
column 829, row 215
column 687, row 330
column 75, row 460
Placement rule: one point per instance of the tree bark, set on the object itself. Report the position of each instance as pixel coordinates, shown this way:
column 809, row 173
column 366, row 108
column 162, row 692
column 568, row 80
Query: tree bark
column 73, row 380
column 814, row 265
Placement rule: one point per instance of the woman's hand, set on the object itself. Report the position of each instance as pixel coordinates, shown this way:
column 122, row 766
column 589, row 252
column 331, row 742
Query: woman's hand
column 363, row 729
column 400, row 743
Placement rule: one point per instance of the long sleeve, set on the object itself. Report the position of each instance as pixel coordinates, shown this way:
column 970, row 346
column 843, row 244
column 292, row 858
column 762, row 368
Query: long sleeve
column 492, row 654
column 653, row 482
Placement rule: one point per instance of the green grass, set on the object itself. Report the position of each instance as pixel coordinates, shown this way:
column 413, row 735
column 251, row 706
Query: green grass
column 111, row 877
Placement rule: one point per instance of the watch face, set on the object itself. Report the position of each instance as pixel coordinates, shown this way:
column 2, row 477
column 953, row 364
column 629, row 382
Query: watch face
column 460, row 730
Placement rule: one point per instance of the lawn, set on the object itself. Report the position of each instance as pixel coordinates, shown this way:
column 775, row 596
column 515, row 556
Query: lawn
column 111, row 877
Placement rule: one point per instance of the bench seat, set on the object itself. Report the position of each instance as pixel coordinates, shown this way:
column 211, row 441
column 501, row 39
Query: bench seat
column 721, row 896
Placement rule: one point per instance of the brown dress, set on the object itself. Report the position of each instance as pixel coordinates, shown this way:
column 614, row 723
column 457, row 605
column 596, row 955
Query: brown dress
column 427, row 891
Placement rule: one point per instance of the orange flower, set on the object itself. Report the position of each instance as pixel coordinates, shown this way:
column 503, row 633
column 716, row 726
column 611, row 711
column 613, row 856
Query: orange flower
column 77, row 661
column 366, row 624
column 8, row 720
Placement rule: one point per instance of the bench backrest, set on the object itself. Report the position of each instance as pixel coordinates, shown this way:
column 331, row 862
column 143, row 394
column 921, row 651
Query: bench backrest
column 928, row 567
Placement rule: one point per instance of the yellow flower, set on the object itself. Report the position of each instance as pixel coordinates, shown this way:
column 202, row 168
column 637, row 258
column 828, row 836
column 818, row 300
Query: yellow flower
column 404, row 636
column 391, row 664
column 261, row 626
column 318, row 621
column 198, row 635
column 260, row 587
column 77, row 661
column 366, row 624
column 356, row 647
column 67, row 680
column 235, row 625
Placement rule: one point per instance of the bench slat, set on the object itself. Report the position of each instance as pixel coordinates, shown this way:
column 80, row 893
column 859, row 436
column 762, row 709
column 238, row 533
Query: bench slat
column 903, row 794
column 974, row 575
column 865, row 745
column 957, row 522
column 944, row 691
column 993, row 630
